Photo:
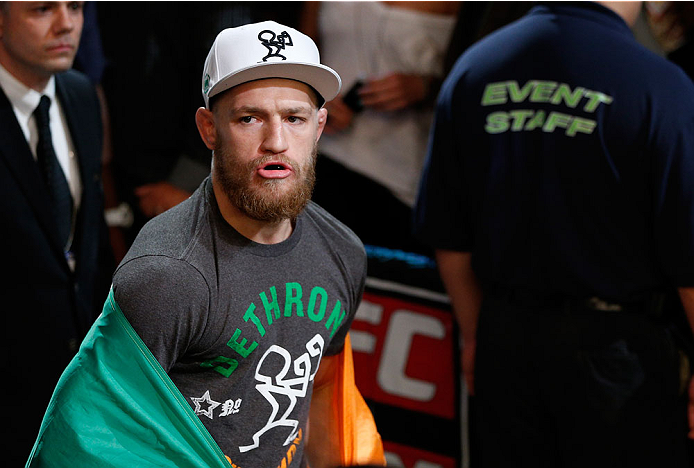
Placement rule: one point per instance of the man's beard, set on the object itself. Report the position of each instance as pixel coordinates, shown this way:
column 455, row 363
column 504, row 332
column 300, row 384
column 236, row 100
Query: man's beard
column 270, row 201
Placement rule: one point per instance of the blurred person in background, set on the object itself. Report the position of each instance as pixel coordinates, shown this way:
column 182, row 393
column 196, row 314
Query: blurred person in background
column 557, row 195
column 390, row 56
column 57, row 259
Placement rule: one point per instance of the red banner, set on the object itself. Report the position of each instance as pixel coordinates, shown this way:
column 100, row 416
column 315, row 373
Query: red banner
column 408, row 457
column 403, row 355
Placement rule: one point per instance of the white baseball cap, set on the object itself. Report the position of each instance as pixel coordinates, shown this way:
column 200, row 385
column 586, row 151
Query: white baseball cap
column 265, row 50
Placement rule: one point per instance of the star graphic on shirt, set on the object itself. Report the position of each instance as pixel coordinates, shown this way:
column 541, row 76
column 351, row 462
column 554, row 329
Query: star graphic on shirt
column 211, row 405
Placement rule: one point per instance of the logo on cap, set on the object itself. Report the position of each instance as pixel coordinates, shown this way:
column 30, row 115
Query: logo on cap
column 274, row 43
column 206, row 84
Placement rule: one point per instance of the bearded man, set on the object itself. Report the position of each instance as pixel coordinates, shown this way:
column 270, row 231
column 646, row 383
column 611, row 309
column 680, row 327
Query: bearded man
column 244, row 293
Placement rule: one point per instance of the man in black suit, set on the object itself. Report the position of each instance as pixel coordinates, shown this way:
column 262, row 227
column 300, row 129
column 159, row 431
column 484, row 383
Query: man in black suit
column 56, row 257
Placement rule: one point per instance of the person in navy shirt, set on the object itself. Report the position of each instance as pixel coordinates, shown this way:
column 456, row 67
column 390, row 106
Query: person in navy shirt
column 558, row 194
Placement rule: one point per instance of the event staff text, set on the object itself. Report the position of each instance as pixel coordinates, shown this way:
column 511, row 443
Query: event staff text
column 538, row 91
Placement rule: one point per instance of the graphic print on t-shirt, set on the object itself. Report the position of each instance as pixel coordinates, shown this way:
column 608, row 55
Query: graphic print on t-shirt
column 274, row 308
column 280, row 392
column 265, row 356
column 205, row 406
column 279, row 386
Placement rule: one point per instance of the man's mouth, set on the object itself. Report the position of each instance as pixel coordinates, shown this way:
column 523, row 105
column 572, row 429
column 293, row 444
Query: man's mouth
column 61, row 48
column 274, row 170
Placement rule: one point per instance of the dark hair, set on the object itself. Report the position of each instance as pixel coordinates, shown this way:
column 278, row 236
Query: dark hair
column 213, row 100
column 319, row 98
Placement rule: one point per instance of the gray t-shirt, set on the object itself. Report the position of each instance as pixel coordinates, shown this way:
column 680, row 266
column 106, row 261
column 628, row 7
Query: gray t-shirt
column 240, row 327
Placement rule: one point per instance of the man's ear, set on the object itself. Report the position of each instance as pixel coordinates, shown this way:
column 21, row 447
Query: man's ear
column 204, row 119
column 322, row 119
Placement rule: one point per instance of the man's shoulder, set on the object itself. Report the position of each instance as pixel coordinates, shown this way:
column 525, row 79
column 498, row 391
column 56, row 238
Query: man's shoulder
column 331, row 227
column 74, row 79
column 170, row 233
column 76, row 90
column 163, row 255
column 567, row 50
column 668, row 75
column 177, row 233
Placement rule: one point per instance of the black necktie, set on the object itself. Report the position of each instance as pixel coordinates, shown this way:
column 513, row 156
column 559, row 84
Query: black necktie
column 52, row 173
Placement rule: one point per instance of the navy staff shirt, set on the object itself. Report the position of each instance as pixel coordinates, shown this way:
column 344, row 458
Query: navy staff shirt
column 562, row 157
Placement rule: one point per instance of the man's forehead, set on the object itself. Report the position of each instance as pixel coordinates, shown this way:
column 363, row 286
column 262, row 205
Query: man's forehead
column 268, row 88
column 5, row 6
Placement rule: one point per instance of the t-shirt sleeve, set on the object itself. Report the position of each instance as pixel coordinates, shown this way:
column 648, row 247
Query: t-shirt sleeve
column 440, row 218
column 357, row 283
column 674, row 189
column 166, row 301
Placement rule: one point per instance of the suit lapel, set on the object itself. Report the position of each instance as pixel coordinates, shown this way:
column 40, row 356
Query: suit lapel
column 78, row 107
column 17, row 155
column 71, row 108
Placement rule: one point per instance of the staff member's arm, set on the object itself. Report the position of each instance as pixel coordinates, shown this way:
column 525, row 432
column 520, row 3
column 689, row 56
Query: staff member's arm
column 465, row 293
column 687, row 297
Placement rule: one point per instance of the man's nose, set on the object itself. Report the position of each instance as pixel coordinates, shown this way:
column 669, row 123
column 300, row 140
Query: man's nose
column 275, row 140
column 66, row 19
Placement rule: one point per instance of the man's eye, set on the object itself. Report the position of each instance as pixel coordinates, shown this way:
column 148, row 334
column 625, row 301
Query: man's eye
column 247, row 119
column 294, row 119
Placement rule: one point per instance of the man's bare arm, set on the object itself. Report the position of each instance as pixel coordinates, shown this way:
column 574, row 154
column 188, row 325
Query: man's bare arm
column 465, row 293
column 687, row 297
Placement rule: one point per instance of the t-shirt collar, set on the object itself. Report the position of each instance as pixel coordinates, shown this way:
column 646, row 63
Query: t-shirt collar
column 588, row 10
column 234, row 237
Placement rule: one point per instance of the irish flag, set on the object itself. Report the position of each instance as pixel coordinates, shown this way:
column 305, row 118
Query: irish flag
column 115, row 406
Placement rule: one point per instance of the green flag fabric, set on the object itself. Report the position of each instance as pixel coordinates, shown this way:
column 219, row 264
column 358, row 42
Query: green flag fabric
column 115, row 406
